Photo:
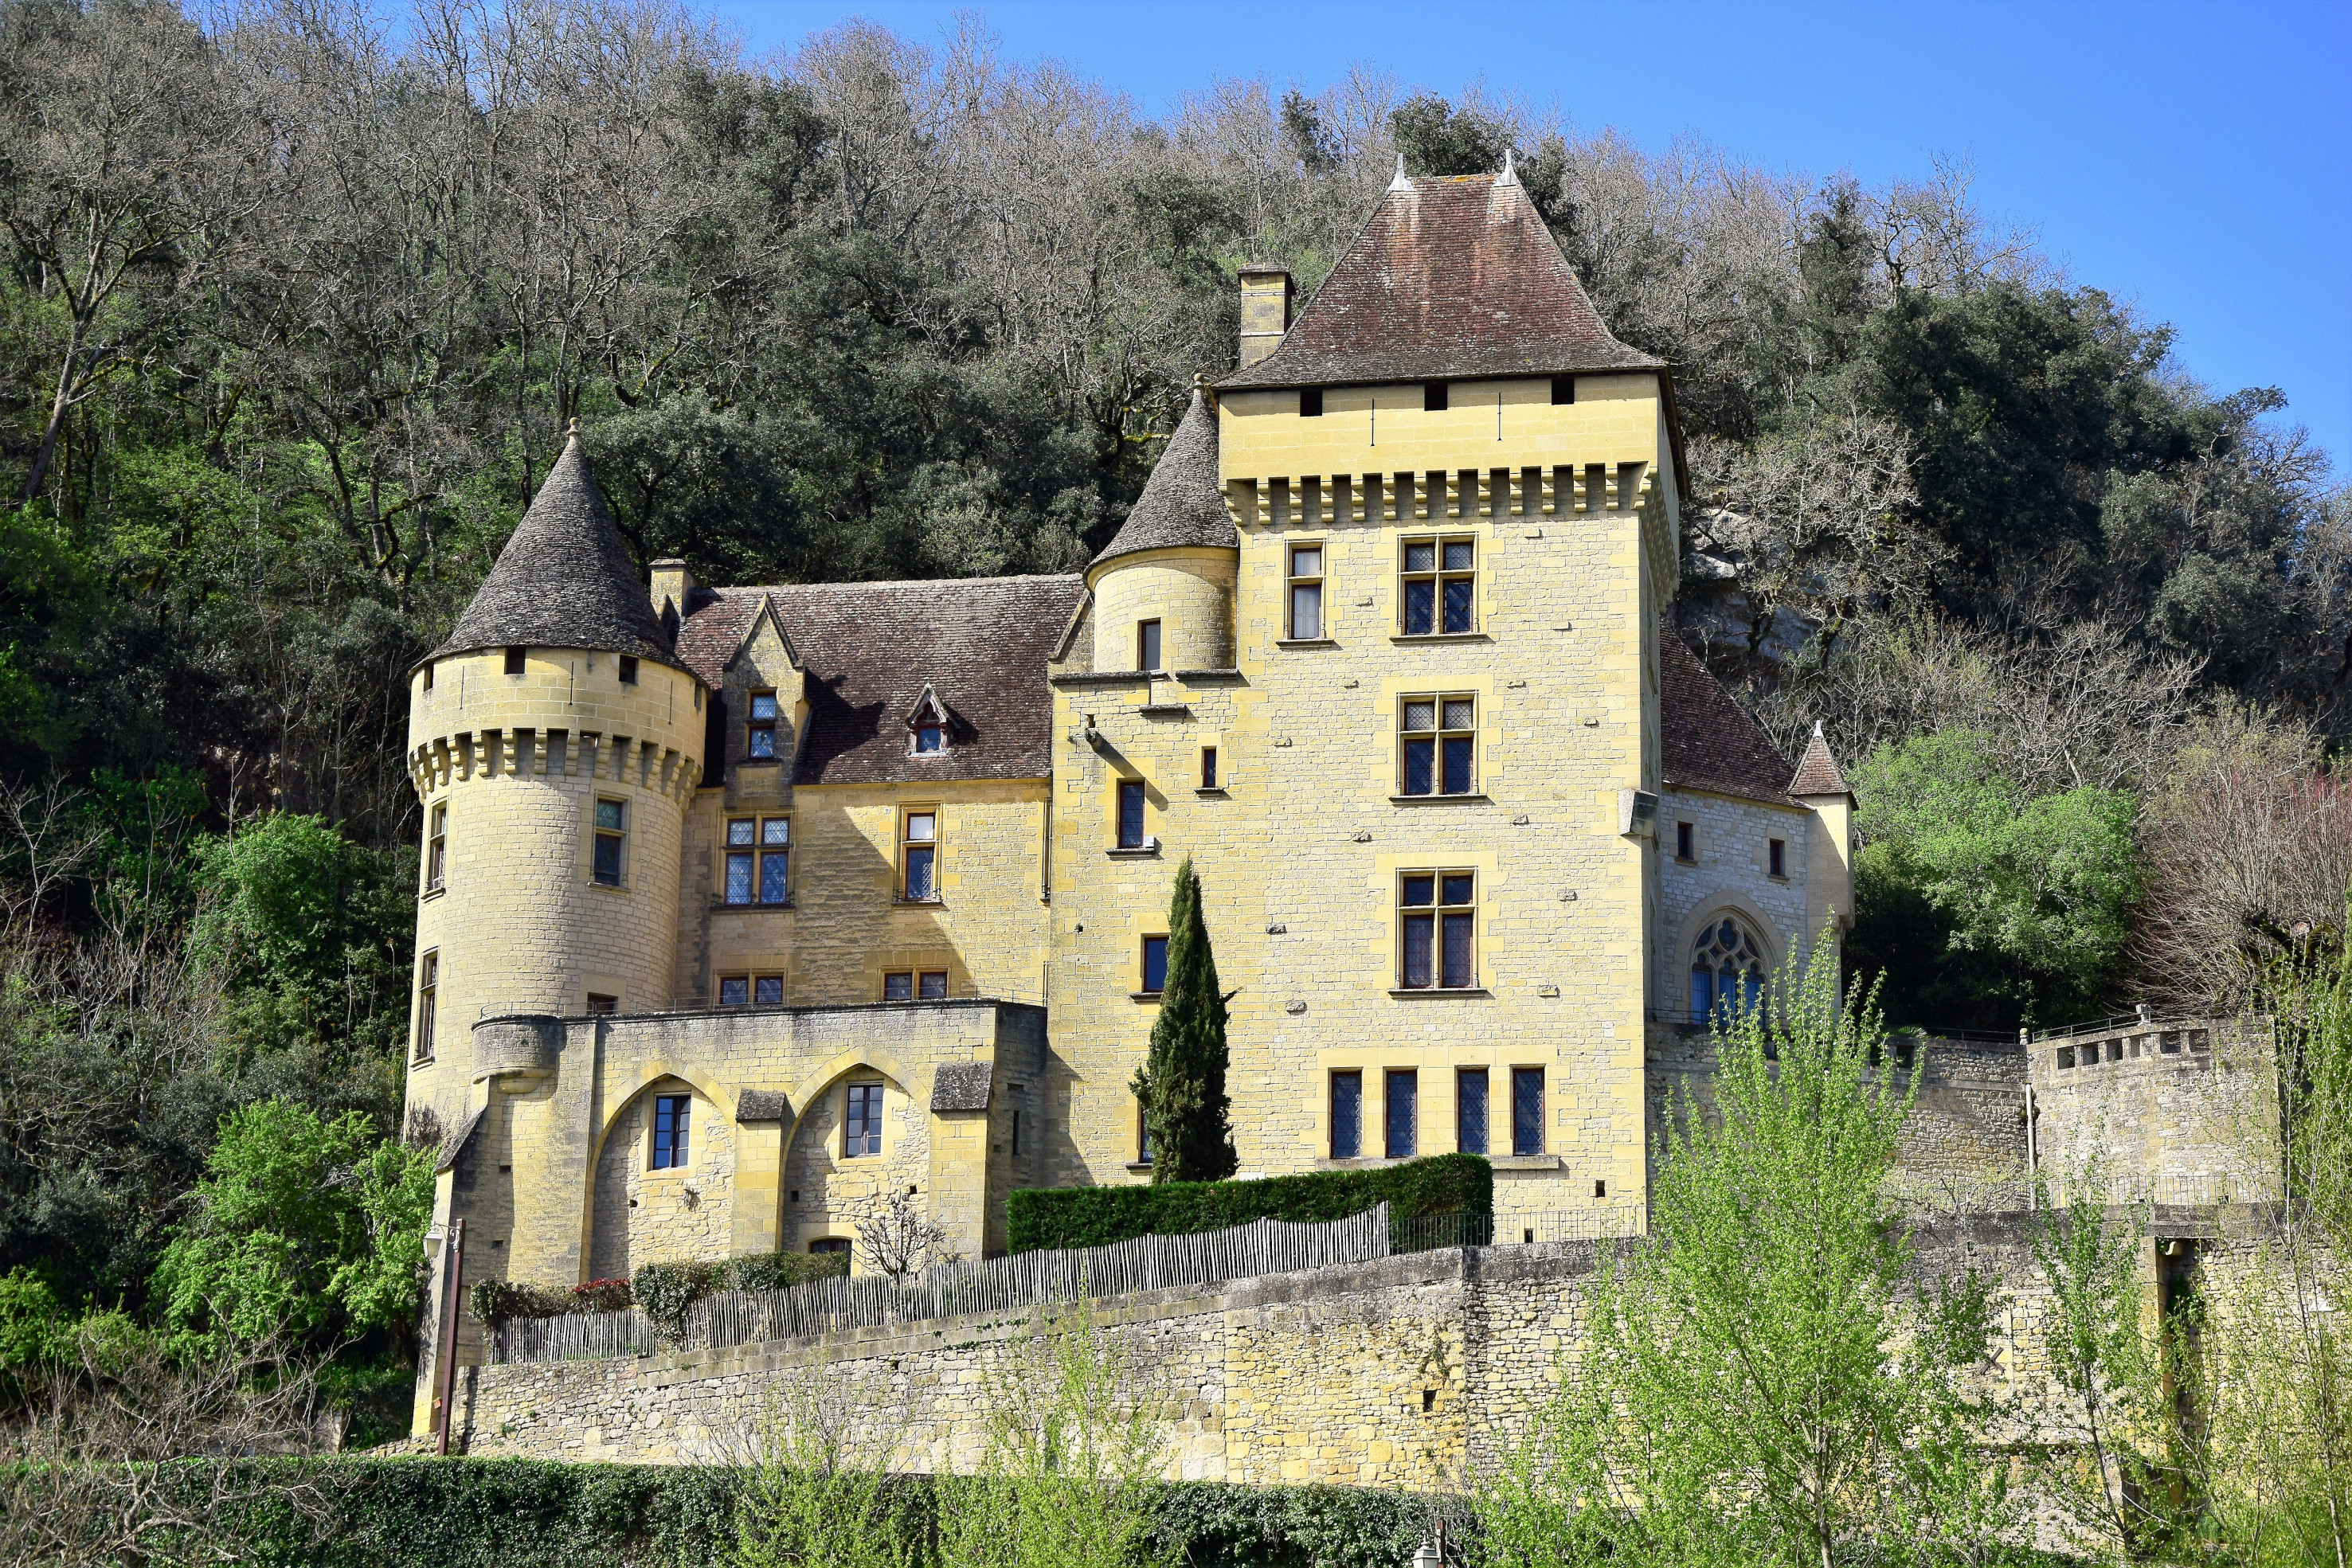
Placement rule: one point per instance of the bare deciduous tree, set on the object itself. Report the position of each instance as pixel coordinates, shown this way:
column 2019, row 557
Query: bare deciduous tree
column 896, row 1239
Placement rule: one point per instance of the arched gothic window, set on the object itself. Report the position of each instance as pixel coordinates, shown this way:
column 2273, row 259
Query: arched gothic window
column 1726, row 968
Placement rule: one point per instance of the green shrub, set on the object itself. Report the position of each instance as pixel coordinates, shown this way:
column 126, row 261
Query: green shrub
column 667, row 1292
column 1098, row 1216
column 775, row 1271
column 495, row 1301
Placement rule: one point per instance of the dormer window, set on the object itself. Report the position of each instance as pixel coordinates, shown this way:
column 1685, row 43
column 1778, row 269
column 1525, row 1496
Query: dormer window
column 760, row 736
column 927, row 726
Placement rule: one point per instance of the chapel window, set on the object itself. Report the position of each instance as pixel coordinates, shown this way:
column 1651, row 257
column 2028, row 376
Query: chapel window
column 1440, row 586
column 1306, row 612
column 918, row 849
column 673, row 1114
column 760, row 734
column 861, row 1135
column 1726, row 968
column 1438, row 737
column 1470, row 1110
column 1438, row 916
column 612, row 840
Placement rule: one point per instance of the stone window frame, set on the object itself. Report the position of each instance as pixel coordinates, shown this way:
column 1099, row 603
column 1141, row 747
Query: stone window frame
column 1442, row 909
column 616, row 836
column 680, row 1106
column 1143, row 985
column 1686, row 841
column 1209, row 777
column 1390, row 1142
column 919, row 984
column 1776, row 858
column 1123, row 790
column 1316, row 582
column 1440, row 734
column 1333, row 1122
column 768, row 836
column 1438, row 576
column 936, row 844
column 873, row 1095
column 759, row 991
column 821, row 1244
column 1700, row 924
column 437, row 847
column 428, row 1005
column 754, row 725
column 1149, row 642
column 1521, row 1073
column 928, row 720
column 1485, row 1109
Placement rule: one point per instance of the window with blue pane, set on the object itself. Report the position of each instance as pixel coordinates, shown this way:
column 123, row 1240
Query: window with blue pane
column 1347, row 1116
column 672, row 1114
column 759, row 730
column 1131, row 813
column 1402, row 1113
column 1526, row 1109
column 1470, row 1110
column 1438, row 918
column 1727, row 970
column 1439, row 586
column 1155, row 964
column 1438, row 738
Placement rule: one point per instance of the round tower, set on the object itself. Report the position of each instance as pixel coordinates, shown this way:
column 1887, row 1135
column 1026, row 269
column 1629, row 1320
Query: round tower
column 1164, row 585
column 555, row 742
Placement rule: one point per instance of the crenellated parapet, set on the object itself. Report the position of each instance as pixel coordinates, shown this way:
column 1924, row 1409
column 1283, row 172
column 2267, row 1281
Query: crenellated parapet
column 667, row 771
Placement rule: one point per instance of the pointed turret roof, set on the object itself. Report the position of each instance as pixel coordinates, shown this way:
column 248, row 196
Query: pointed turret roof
column 564, row 580
column 1449, row 277
column 1183, row 502
column 1818, row 773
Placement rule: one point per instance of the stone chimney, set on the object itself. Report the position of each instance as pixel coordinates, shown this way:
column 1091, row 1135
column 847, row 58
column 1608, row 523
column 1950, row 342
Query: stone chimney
column 671, row 584
column 1266, row 311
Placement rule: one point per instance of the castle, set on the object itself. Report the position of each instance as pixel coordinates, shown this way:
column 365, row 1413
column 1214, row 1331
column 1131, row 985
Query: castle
column 741, row 907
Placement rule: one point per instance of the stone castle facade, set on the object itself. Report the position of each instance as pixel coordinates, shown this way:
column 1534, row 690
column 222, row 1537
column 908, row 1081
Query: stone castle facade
column 743, row 908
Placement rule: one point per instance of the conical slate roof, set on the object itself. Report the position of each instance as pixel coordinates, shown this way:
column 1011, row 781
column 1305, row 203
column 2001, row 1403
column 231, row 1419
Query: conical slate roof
column 565, row 578
column 1818, row 773
column 1183, row 502
column 1449, row 277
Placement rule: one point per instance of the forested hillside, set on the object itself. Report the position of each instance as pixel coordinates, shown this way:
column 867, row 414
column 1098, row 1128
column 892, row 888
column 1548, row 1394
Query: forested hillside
column 296, row 312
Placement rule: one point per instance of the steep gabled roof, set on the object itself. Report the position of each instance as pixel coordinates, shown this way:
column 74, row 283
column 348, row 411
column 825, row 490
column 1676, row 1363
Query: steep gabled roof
column 1706, row 741
column 1449, row 277
column 1183, row 502
column 867, row 651
column 1817, row 770
column 564, row 580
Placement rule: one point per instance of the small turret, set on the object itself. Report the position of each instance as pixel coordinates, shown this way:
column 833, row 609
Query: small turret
column 555, row 742
column 1164, row 585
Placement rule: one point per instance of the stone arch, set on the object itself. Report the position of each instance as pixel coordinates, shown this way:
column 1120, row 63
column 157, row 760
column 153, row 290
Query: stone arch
column 637, row 1214
column 1702, row 923
column 825, row 1192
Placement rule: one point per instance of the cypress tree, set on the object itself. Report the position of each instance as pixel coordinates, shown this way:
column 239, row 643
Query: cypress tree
column 1181, row 1085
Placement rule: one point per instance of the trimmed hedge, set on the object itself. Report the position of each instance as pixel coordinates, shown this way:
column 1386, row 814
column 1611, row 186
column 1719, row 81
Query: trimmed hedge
column 1098, row 1216
column 528, row 1513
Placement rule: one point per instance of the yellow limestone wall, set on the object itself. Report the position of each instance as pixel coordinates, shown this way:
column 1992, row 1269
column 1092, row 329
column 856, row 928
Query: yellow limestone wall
column 520, row 924
column 1301, row 849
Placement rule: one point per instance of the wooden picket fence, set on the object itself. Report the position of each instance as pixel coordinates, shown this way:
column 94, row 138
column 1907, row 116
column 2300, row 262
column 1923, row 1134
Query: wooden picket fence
column 1017, row 1283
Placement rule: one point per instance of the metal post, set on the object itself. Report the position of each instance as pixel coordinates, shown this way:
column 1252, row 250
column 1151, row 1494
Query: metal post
column 445, row 1402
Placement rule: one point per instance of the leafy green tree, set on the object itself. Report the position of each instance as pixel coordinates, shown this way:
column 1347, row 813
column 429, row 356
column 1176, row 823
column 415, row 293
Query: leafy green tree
column 277, row 894
column 1764, row 1383
column 304, row 1225
column 1181, row 1085
column 1968, row 889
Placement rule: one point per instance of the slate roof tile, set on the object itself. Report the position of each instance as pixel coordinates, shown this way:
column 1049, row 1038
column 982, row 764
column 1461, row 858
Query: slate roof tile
column 564, row 580
column 1706, row 740
column 1449, row 277
column 1817, row 770
column 1183, row 502
column 868, row 649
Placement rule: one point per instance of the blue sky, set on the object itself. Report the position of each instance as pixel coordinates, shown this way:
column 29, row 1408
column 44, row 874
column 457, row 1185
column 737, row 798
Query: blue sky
column 2196, row 160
